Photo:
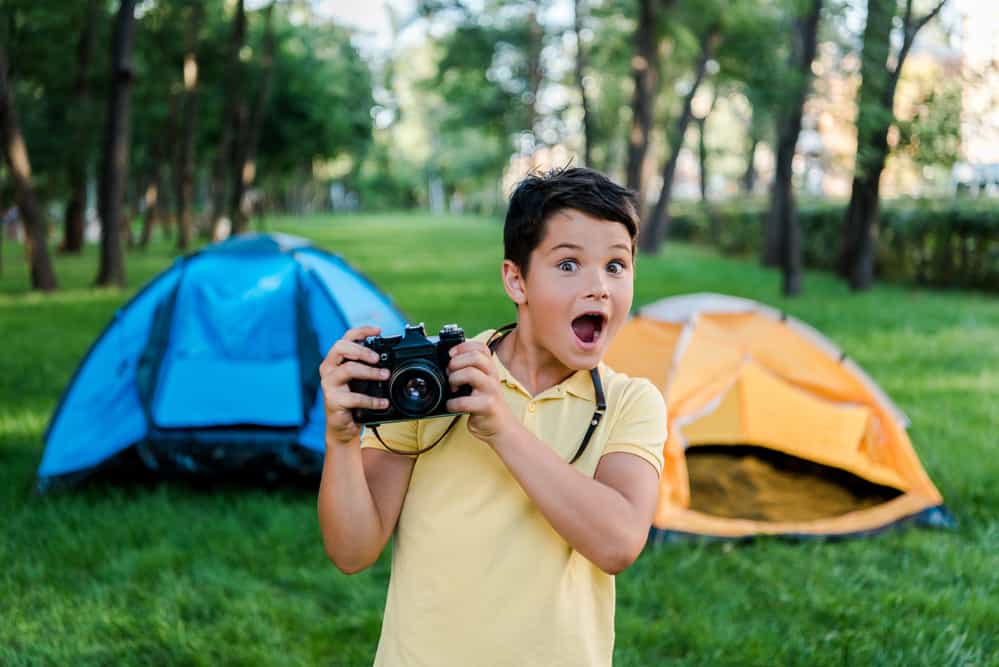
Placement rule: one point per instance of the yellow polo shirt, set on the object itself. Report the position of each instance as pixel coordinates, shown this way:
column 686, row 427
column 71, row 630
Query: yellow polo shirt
column 479, row 577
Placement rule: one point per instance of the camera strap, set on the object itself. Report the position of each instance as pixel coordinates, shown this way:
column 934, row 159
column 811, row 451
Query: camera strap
column 494, row 339
column 598, row 391
column 454, row 420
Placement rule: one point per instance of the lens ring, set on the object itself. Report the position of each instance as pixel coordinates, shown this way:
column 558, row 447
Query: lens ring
column 416, row 388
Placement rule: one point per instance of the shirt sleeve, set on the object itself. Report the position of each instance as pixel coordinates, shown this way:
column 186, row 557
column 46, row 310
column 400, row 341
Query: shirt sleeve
column 401, row 436
column 640, row 427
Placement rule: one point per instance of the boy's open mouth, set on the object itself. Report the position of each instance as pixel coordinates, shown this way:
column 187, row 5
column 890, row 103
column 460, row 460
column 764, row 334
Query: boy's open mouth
column 589, row 326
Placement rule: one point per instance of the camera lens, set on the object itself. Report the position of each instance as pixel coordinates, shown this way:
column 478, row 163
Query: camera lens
column 416, row 388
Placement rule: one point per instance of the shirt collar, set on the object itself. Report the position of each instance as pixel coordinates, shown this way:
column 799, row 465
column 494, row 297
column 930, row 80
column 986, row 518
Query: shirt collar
column 578, row 384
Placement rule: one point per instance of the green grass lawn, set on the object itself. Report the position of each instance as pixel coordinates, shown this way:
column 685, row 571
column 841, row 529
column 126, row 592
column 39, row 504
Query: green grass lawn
column 178, row 575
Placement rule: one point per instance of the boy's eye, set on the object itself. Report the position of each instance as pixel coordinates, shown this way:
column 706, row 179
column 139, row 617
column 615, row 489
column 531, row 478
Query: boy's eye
column 567, row 265
column 616, row 266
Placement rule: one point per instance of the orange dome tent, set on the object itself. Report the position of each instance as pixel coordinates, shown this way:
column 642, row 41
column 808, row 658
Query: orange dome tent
column 773, row 430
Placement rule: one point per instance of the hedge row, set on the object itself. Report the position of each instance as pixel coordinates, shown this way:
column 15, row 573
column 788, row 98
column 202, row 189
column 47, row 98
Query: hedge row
column 943, row 243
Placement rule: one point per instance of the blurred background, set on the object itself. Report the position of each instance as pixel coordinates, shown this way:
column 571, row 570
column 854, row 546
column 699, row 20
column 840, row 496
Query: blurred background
column 853, row 135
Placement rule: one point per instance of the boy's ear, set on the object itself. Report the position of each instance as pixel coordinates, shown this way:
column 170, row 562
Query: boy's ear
column 513, row 282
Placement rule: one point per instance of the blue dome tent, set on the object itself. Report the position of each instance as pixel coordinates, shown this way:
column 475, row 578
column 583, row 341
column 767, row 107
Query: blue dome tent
column 213, row 366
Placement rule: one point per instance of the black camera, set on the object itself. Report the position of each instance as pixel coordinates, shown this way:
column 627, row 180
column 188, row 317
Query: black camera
column 417, row 386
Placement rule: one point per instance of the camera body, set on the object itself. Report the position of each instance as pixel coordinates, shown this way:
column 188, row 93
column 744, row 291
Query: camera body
column 417, row 386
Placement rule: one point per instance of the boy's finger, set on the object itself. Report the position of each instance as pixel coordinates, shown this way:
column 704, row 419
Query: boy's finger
column 349, row 400
column 344, row 349
column 352, row 370
column 468, row 346
column 362, row 332
column 469, row 404
column 474, row 358
column 470, row 375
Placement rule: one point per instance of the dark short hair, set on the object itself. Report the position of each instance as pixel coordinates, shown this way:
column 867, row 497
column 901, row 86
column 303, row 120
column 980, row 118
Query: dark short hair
column 542, row 195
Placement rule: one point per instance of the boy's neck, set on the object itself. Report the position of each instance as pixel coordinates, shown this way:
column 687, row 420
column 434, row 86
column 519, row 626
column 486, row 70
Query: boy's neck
column 530, row 364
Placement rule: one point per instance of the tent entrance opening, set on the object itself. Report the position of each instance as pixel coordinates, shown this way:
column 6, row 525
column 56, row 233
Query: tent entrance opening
column 750, row 482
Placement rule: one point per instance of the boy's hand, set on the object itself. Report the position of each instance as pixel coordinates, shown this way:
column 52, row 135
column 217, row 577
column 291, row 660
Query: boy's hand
column 341, row 365
column 488, row 413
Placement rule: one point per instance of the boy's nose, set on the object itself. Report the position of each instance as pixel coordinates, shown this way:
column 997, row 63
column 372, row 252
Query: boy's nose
column 598, row 289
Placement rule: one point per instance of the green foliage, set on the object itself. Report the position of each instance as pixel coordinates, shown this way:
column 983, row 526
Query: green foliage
column 320, row 102
column 483, row 80
column 55, row 127
column 319, row 108
column 608, row 61
column 933, row 136
column 481, row 84
column 157, row 86
column 227, row 575
column 471, row 107
column 384, row 182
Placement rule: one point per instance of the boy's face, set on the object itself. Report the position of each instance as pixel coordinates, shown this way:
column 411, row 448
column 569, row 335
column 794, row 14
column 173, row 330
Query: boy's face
column 579, row 286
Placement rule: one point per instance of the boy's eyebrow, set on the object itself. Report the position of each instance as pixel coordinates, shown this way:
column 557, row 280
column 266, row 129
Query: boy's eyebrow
column 569, row 246
column 574, row 246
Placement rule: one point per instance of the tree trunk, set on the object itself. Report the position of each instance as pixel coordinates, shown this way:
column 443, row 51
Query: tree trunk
column 151, row 200
column 748, row 179
column 184, row 170
column 783, row 231
column 246, row 148
column 16, row 153
column 872, row 132
column 76, row 207
column 876, row 101
column 534, row 76
column 231, row 106
column 783, row 235
column 114, row 163
column 790, row 248
column 645, row 73
column 153, row 208
column 580, row 76
column 166, row 162
column 702, row 159
column 657, row 224
column 862, row 221
column 714, row 222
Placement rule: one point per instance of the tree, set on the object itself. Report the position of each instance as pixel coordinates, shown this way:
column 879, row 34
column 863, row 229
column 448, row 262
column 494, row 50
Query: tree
column 486, row 83
column 783, row 236
column 645, row 74
column 159, row 158
column 701, row 121
column 245, row 153
column 16, row 154
column 114, row 163
column 76, row 206
column 755, row 135
column 535, row 72
column 657, row 223
column 875, row 114
column 185, row 156
column 580, row 72
column 320, row 108
column 231, row 117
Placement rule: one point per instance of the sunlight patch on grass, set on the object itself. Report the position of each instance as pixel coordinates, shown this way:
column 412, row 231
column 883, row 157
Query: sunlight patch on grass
column 25, row 424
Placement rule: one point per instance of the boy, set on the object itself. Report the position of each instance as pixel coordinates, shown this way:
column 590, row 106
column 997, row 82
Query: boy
column 507, row 539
